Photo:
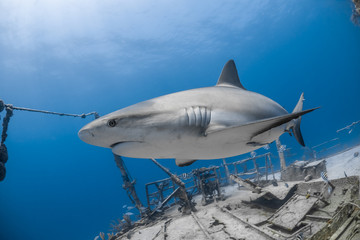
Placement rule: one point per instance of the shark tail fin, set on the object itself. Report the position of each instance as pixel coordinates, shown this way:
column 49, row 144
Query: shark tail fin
column 295, row 126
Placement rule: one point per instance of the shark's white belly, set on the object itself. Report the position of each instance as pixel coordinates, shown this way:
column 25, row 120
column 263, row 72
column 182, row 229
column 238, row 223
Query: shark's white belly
column 187, row 146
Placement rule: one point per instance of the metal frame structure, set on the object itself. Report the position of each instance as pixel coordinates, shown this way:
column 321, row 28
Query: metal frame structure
column 206, row 181
column 257, row 172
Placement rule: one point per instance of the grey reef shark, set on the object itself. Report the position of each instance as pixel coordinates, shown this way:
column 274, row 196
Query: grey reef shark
column 205, row 123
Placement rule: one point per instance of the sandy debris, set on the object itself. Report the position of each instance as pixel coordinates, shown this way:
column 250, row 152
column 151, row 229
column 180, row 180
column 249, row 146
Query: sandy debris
column 344, row 162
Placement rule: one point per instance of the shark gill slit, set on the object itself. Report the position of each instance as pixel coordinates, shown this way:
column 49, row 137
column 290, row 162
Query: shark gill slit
column 208, row 117
column 191, row 115
column 203, row 116
column 198, row 116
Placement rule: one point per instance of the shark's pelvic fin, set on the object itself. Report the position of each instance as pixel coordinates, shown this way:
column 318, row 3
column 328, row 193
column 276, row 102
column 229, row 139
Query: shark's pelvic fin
column 184, row 162
column 229, row 76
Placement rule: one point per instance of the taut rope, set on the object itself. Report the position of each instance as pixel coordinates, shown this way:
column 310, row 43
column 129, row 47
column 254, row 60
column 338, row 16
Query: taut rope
column 9, row 113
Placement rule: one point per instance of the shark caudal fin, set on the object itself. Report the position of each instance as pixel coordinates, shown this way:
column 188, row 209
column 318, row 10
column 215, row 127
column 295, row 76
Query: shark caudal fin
column 295, row 128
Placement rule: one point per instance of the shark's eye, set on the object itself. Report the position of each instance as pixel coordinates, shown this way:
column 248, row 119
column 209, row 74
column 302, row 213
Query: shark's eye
column 111, row 123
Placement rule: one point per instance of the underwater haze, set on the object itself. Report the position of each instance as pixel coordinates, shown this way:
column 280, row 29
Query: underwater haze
column 87, row 55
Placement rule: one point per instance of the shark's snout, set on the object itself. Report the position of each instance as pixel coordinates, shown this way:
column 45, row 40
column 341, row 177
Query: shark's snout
column 86, row 135
column 97, row 133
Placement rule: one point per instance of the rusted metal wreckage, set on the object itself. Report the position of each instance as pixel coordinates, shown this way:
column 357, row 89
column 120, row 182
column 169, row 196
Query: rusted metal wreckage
column 205, row 181
column 259, row 207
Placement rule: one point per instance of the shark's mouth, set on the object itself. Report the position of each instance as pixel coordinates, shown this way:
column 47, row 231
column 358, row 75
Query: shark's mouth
column 118, row 143
column 128, row 149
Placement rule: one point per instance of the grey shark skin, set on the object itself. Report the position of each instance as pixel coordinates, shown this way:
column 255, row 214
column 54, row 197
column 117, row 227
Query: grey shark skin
column 206, row 123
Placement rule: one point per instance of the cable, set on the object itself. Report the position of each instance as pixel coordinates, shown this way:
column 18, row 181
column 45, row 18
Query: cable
column 96, row 115
column 9, row 113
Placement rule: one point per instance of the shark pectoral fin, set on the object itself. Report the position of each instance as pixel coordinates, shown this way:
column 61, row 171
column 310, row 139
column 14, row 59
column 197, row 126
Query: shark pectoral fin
column 184, row 162
column 265, row 126
column 214, row 128
column 255, row 131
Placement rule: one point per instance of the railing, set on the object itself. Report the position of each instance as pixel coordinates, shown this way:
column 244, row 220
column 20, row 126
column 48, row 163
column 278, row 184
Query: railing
column 158, row 191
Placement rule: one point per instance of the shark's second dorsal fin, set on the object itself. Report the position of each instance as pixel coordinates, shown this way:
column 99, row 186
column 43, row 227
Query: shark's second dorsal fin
column 229, row 76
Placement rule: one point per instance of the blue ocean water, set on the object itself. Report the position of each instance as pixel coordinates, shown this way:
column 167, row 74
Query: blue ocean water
column 83, row 56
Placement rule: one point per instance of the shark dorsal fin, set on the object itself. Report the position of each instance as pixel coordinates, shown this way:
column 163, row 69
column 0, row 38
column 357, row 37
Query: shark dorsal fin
column 229, row 76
